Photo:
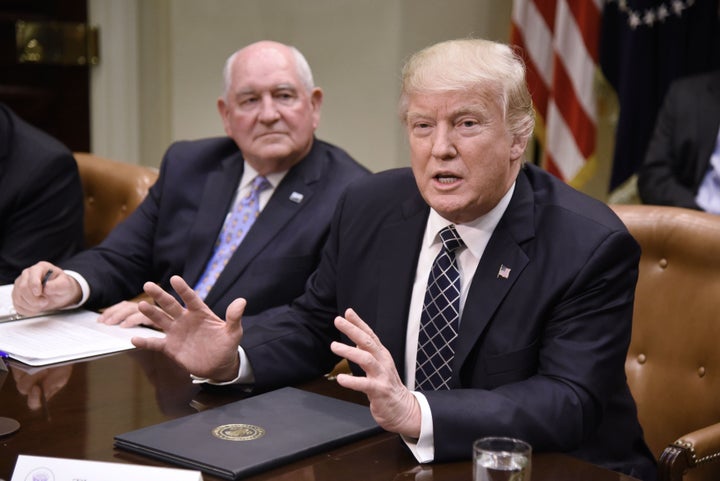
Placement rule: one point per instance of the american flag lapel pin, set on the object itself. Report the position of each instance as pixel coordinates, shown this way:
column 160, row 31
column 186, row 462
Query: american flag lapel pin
column 296, row 197
column 503, row 272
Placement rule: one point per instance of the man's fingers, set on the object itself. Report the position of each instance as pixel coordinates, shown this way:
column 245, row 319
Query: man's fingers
column 118, row 313
column 359, row 333
column 356, row 383
column 35, row 276
column 136, row 319
column 234, row 312
column 187, row 294
column 151, row 343
column 163, row 299
column 352, row 317
column 157, row 316
column 366, row 360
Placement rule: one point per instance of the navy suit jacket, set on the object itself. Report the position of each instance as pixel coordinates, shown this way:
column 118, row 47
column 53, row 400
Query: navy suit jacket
column 174, row 229
column 41, row 198
column 685, row 134
column 540, row 354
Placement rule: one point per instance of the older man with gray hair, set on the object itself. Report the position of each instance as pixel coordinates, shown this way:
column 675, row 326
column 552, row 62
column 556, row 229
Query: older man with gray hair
column 246, row 214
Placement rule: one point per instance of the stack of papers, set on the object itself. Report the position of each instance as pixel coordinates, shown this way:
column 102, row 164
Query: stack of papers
column 63, row 336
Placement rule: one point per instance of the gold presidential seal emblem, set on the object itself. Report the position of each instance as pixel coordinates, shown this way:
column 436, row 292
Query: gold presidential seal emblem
column 238, row 432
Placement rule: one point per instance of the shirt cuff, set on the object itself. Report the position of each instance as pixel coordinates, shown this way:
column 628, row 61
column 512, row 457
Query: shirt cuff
column 245, row 373
column 423, row 448
column 84, row 287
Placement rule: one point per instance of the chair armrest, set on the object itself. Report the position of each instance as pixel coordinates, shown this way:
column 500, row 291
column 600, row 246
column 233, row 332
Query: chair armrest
column 691, row 450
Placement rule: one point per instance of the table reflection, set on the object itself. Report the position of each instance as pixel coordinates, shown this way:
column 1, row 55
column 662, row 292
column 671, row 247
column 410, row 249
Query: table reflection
column 40, row 386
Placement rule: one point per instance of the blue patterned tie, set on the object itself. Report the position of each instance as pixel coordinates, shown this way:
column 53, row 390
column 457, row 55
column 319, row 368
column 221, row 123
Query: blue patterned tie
column 237, row 224
column 440, row 317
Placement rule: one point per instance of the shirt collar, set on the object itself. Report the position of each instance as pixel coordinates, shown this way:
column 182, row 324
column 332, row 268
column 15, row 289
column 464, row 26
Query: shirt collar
column 472, row 233
column 249, row 174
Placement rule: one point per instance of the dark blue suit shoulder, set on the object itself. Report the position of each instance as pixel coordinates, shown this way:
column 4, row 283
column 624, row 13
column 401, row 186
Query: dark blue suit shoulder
column 387, row 185
column 552, row 194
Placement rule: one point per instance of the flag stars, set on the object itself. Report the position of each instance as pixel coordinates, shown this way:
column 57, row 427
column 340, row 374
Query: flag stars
column 677, row 7
column 649, row 17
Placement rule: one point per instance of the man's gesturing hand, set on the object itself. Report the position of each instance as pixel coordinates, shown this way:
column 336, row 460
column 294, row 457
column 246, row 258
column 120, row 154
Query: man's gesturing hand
column 392, row 405
column 195, row 337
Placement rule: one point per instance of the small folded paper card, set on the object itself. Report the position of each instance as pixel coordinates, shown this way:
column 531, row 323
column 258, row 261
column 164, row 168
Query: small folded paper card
column 37, row 467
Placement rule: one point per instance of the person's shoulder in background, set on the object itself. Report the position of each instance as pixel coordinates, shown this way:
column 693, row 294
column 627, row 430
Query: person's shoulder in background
column 41, row 197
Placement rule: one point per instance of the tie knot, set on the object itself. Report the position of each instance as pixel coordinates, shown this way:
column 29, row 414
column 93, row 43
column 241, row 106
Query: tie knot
column 257, row 185
column 450, row 238
column 260, row 183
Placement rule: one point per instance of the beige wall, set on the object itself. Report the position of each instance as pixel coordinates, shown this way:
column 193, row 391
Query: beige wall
column 166, row 87
column 355, row 48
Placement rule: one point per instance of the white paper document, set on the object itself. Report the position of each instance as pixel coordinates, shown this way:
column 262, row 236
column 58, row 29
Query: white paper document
column 65, row 336
column 54, row 469
column 7, row 310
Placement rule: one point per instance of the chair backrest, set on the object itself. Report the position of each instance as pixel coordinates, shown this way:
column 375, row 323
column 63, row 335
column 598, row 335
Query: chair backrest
column 112, row 190
column 673, row 364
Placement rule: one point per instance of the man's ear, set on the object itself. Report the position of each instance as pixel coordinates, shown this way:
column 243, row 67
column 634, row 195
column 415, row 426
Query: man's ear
column 316, row 99
column 518, row 147
column 223, row 111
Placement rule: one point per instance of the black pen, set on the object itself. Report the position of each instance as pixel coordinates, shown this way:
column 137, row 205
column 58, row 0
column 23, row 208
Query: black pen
column 46, row 277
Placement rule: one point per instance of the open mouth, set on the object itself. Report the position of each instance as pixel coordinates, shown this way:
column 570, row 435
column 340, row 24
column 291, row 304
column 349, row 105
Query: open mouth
column 446, row 179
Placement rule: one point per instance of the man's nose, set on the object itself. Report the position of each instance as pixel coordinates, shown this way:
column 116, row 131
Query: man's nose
column 268, row 110
column 443, row 146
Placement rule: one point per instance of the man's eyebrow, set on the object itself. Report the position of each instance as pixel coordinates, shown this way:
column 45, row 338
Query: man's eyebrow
column 415, row 116
column 252, row 90
column 476, row 110
column 470, row 110
column 245, row 91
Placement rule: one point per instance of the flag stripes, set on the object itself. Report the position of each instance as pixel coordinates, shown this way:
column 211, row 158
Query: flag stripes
column 559, row 42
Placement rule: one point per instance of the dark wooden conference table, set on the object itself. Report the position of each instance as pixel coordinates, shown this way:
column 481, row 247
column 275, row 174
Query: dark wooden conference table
column 74, row 411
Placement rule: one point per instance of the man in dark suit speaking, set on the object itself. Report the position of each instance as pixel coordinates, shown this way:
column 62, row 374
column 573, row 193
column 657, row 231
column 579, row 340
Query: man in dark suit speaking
column 270, row 186
column 478, row 297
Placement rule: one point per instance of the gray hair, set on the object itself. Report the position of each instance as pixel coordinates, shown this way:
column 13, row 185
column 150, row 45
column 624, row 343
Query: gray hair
column 302, row 67
column 470, row 64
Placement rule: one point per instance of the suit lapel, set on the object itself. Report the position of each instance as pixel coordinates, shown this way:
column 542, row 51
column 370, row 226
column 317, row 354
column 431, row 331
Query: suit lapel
column 490, row 285
column 302, row 179
column 220, row 188
column 401, row 243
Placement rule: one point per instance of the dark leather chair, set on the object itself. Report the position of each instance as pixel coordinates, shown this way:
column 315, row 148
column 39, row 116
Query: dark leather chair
column 112, row 190
column 673, row 364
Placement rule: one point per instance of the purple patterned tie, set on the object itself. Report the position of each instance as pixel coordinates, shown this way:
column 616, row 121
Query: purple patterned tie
column 237, row 224
column 440, row 317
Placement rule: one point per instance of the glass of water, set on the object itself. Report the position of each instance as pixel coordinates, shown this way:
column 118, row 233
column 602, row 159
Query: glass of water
column 501, row 459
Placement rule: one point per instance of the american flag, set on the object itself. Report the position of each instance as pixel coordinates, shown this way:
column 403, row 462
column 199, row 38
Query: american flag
column 559, row 41
column 504, row 271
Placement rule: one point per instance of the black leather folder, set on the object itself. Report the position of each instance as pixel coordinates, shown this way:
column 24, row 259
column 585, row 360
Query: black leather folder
column 254, row 434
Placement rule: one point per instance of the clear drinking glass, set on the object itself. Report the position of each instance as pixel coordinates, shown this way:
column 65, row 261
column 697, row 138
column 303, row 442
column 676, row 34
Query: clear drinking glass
column 501, row 459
